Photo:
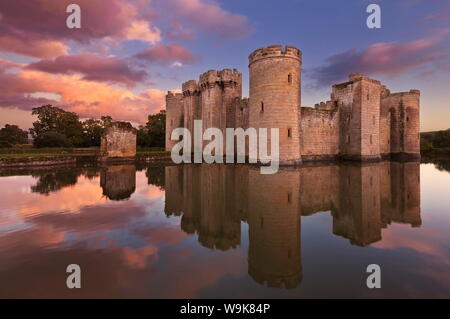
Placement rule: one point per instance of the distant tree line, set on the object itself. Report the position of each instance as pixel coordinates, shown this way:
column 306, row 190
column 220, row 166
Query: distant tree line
column 56, row 127
column 430, row 141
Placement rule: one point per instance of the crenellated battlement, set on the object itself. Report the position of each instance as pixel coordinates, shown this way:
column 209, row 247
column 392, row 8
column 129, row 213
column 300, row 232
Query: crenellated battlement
column 189, row 87
column 173, row 96
column 275, row 51
column 223, row 77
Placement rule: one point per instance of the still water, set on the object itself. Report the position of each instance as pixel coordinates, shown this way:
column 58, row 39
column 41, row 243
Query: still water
column 226, row 231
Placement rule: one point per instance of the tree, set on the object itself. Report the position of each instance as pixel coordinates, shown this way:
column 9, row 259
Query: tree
column 93, row 130
column 156, row 129
column 11, row 135
column 52, row 139
column 54, row 119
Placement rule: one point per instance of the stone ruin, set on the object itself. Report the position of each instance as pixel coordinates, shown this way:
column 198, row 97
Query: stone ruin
column 118, row 141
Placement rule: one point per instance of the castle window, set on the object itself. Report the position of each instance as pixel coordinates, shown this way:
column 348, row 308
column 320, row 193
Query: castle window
column 289, row 198
column 371, row 141
column 262, row 106
column 171, row 122
column 289, row 133
column 290, row 78
column 348, row 139
column 407, row 119
column 374, row 120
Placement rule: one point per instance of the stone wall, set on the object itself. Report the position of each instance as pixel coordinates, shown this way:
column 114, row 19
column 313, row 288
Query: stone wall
column 118, row 141
column 403, row 110
column 319, row 134
column 174, row 116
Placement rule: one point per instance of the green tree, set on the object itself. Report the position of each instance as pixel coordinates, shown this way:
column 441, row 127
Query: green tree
column 52, row 139
column 54, row 119
column 156, row 129
column 11, row 135
column 93, row 130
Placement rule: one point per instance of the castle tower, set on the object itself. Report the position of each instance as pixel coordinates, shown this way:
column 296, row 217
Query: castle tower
column 403, row 112
column 275, row 79
column 359, row 102
column 191, row 106
column 174, row 116
column 219, row 90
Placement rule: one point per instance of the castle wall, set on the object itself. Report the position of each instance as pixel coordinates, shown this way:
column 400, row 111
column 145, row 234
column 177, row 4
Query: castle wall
column 191, row 106
column 359, row 104
column 403, row 109
column 275, row 97
column 319, row 134
column 219, row 90
column 242, row 113
column 174, row 116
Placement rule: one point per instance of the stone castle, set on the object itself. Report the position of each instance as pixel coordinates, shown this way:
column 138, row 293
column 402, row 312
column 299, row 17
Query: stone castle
column 362, row 121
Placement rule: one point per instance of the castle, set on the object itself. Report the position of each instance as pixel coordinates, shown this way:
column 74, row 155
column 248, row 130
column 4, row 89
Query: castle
column 362, row 121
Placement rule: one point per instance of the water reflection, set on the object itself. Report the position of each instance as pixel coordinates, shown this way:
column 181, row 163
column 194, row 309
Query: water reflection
column 229, row 209
column 363, row 199
column 118, row 182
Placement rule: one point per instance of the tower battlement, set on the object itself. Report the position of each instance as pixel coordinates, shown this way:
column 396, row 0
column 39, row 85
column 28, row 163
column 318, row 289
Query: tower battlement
column 171, row 96
column 275, row 51
column 189, row 87
column 226, row 76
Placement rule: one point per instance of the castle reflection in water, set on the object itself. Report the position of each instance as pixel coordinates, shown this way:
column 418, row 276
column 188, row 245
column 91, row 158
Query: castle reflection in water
column 214, row 200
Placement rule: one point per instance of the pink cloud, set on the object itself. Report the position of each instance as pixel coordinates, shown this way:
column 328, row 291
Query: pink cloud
column 208, row 16
column 442, row 15
column 168, row 54
column 93, row 67
column 87, row 98
column 38, row 28
column 385, row 59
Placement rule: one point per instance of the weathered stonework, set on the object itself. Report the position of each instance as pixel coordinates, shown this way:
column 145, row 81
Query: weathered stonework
column 362, row 121
column 118, row 141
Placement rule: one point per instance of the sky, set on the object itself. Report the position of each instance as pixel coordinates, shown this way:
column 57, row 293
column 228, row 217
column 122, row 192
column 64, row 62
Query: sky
column 129, row 53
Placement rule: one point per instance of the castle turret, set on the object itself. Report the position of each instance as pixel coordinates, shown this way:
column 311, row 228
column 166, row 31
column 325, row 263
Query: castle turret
column 275, row 79
column 402, row 111
column 219, row 89
column 359, row 102
column 174, row 116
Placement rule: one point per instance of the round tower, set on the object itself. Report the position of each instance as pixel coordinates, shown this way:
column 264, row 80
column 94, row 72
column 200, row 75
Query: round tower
column 275, row 78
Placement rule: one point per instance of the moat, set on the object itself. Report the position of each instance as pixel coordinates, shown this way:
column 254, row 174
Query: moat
column 226, row 231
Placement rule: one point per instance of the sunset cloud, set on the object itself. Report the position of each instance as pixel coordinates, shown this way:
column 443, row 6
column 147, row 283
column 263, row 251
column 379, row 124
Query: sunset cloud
column 168, row 55
column 22, row 21
column 93, row 67
column 87, row 98
column 208, row 16
column 381, row 59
